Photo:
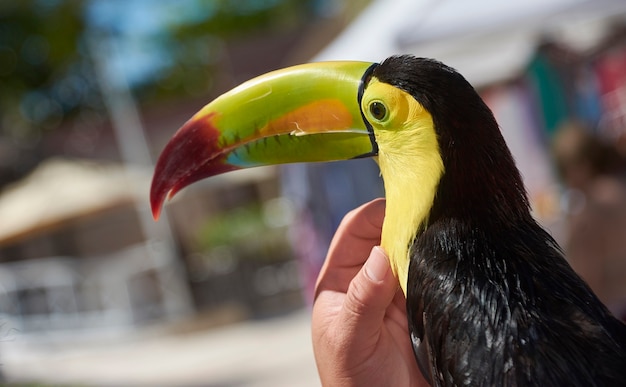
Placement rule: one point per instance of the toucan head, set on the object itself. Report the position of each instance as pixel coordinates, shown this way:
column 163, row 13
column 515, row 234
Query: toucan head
column 414, row 115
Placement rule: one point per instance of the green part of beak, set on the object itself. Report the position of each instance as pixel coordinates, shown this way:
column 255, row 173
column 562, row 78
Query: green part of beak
column 299, row 114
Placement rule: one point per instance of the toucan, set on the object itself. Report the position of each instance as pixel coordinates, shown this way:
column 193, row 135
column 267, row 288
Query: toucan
column 490, row 298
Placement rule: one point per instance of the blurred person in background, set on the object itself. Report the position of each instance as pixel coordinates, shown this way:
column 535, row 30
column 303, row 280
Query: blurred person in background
column 592, row 171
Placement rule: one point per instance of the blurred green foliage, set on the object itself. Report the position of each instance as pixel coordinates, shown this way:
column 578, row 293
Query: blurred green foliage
column 42, row 74
column 197, row 43
column 249, row 231
column 232, row 227
column 239, row 18
column 46, row 69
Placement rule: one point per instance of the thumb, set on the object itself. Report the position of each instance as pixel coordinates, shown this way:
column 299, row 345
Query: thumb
column 369, row 295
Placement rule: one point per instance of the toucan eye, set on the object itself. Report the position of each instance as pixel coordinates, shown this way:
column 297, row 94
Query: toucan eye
column 378, row 110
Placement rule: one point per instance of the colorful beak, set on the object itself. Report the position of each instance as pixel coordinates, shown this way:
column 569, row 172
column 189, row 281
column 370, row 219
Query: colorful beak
column 299, row 114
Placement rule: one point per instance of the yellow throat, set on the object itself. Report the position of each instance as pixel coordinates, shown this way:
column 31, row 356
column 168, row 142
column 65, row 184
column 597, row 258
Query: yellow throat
column 410, row 164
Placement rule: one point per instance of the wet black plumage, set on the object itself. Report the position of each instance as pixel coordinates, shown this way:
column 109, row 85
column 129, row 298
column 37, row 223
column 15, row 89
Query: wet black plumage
column 491, row 300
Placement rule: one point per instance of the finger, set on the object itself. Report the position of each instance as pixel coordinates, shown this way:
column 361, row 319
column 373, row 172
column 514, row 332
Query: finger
column 369, row 295
column 358, row 232
column 360, row 229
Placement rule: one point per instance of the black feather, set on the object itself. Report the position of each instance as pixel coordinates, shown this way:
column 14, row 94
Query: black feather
column 490, row 293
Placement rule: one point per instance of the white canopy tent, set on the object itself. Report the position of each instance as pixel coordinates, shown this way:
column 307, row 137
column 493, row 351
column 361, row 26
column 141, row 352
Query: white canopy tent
column 486, row 40
column 60, row 189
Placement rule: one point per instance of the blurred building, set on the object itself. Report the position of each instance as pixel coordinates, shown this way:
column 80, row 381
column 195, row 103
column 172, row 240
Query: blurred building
column 74, row 255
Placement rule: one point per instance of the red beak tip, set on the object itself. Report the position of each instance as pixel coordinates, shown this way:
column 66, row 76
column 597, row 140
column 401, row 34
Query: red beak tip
column 156, row 204
column 156, row 211
column 157, row 201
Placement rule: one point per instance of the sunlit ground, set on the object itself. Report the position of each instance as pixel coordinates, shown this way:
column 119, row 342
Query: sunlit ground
column 269, row 352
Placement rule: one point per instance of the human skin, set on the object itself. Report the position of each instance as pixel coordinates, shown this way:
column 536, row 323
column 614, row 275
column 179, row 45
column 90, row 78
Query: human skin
column 359, row 322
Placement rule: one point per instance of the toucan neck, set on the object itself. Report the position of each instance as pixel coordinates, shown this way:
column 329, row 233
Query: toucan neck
column 486, row 188
column 409, row 192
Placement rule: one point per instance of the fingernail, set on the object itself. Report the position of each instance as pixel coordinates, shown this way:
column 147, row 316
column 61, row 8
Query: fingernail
column 377, row 265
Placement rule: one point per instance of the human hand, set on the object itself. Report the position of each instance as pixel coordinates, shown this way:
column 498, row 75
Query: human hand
column 359, row 323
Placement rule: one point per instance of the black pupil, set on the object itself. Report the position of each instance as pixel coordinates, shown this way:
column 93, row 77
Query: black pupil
column 378, row 110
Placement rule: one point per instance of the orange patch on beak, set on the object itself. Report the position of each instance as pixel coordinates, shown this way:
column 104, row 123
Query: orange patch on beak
column 323, row 116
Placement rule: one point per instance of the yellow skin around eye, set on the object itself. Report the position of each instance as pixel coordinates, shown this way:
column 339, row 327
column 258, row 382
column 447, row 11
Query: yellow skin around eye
column 410, row 164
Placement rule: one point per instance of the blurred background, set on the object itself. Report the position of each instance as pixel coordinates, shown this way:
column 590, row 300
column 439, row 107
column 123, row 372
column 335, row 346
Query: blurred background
column 217, row 293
